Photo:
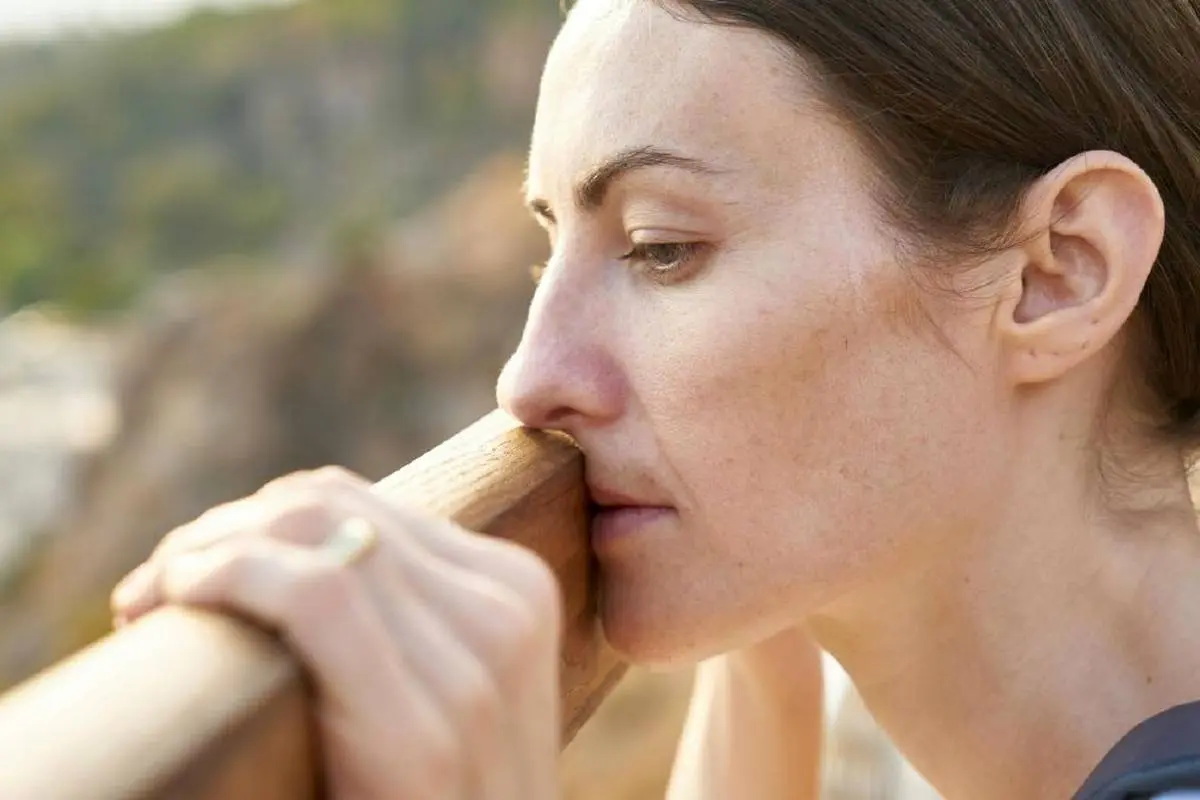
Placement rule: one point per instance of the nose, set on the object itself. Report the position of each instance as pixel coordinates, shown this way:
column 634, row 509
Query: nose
column 562, row 376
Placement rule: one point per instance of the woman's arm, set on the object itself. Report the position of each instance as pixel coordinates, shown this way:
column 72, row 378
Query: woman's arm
column 754, row 725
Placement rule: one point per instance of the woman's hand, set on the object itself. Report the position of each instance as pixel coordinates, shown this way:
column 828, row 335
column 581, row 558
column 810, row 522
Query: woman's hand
column 434, row 650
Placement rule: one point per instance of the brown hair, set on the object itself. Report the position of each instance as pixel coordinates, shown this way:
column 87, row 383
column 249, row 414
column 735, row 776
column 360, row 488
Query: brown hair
column 965, row 103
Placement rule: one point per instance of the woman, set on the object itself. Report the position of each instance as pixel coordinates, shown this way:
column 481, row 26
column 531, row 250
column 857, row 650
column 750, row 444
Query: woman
column 879, row 325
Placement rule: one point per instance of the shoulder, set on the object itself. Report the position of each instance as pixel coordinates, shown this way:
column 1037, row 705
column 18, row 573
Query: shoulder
column 1157, row 760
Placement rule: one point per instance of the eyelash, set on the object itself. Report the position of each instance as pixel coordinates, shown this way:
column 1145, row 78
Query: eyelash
column 664, row 262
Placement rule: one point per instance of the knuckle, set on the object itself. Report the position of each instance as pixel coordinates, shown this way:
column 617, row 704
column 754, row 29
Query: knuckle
column 214, row 514
column 173, row 543
column 283, row 483
column 333, row 476
column 304, row 517
column 204, row 527
column 321, row 478
column 222, row 571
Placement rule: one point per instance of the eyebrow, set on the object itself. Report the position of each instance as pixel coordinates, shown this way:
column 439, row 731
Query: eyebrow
column 591, row 189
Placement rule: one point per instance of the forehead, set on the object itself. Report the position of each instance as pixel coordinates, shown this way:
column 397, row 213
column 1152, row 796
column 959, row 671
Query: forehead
column 630, row 73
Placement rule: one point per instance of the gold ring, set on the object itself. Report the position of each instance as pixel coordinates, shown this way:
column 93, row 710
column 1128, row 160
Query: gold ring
column 352, row 540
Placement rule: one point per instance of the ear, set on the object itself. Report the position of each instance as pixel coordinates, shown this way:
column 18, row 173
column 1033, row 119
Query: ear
column 1090, row 234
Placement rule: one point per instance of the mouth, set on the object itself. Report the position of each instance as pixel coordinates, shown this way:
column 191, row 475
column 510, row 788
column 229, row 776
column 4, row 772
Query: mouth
column 617, row 517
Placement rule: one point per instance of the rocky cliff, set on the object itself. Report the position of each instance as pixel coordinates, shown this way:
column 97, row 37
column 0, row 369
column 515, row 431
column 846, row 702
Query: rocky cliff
column 223, row 382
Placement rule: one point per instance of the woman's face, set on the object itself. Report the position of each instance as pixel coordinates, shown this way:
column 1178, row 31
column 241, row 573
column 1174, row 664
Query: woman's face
column 725, row 329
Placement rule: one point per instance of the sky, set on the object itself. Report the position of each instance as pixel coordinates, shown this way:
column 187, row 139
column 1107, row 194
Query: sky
column 26, row 19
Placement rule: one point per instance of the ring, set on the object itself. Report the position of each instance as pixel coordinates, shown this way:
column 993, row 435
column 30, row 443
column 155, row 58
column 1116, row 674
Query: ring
column 353, row 539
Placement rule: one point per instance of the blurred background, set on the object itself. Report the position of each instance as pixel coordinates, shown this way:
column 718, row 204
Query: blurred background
column 239, row 239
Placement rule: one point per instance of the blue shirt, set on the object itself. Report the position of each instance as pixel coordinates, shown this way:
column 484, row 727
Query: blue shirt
column 1158, row 760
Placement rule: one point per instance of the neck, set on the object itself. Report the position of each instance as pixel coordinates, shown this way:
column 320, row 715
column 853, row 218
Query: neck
column 1010, row 661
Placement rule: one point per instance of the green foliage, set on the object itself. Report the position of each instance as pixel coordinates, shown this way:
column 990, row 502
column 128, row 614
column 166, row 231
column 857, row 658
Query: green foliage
column 236, row 134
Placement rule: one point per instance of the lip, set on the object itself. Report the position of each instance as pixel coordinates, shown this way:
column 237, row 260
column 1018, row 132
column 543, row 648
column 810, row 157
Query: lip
column 617, row 516
column 616, row 523
column 607, row 499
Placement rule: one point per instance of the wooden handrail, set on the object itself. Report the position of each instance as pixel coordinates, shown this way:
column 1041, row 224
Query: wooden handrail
column 198, row 706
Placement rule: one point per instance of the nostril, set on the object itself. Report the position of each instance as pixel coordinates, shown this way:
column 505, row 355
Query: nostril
column 556, row 417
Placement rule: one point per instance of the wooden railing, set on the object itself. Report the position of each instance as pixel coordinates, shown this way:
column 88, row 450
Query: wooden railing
column 185, row 704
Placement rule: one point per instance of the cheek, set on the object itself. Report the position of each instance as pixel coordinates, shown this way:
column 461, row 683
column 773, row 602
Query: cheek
column 816, row 432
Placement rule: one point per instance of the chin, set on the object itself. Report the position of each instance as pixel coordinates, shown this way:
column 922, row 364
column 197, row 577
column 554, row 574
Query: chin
column 656, row 629
column 666, row 618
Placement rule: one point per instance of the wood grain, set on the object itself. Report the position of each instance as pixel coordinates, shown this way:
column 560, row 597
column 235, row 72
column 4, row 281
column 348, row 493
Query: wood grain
column 196, row 706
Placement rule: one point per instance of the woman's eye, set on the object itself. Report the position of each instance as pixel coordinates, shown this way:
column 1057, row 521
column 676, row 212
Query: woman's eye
column 665, row 261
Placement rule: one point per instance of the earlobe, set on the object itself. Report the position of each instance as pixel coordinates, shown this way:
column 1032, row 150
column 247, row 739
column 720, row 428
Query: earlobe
column 1092, row 230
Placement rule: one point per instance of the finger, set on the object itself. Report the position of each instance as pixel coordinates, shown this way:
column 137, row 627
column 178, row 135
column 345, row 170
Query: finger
column 443, row 607
column 513, row 565
column 294, row 511
column 288, row 590
column 137, row 593
column 382, row 720
column 483, row 585
column 480, row 586
column 520, row 652
column 463, row 685
column 212, row 526
column 305, row 480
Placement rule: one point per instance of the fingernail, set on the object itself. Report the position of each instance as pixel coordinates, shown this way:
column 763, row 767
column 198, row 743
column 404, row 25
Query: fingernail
column 134, row 587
